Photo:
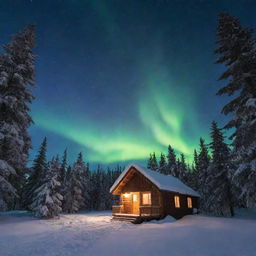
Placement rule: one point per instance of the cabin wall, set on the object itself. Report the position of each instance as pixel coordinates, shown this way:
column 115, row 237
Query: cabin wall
column 169, row 204
column 139, row 183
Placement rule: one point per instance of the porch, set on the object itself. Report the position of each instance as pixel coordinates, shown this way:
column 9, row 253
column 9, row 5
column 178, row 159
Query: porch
column 136, row 207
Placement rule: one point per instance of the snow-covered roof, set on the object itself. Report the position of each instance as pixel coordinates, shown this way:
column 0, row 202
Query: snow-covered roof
column 163, row 182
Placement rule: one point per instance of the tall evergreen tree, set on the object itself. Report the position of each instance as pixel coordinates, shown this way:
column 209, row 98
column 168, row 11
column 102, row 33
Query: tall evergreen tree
column 149, row 164
column 171, row 162
column 37, row 174
column 17, row 70
column 7, row 191
column 63, row 167
column 203, row 164
column 74, row 196
column 162, row 164
column 237, row 52
column 183, row 170
column 152, row 162
column 195, row 172
column 47, row 200
column 218, row 186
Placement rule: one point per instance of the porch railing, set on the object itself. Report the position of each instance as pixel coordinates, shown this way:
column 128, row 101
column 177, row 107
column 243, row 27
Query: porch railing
column 117, row 209
column 145, row 210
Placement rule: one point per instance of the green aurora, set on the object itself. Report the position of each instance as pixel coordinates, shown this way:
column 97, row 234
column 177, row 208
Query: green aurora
column 165, row 117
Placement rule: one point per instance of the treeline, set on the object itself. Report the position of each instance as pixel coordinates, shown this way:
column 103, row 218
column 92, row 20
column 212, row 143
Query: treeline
column 54, row 186
column 209, row 174
column 226, row 178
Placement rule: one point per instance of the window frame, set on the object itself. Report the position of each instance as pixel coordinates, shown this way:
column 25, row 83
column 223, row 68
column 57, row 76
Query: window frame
column 177, row 201
column 149, row 198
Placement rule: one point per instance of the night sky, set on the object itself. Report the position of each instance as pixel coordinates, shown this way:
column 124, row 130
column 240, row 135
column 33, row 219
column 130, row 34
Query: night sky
column 118, row 79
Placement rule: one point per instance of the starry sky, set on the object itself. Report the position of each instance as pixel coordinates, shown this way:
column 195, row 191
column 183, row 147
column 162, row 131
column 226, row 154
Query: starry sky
column 118, row 79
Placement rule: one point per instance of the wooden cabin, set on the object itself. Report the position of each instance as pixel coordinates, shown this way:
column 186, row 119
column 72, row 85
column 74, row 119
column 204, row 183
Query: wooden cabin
column 146, row 194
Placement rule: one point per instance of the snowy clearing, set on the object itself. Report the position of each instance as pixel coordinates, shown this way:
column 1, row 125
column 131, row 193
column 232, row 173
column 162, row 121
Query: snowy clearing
column 95, row 234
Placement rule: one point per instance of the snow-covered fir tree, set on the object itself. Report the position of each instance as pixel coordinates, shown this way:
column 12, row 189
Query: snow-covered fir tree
column 237, row 52
column 152, row 162
column 63, row 167
column 36, row 175
column 218, row 188
column 74, row 199
column 162, row 164
column 7, row 191
column 17, row 71
column 172, row 162
column 195, row 173
column 183, row 170
column 47, row 200
column 203, row 164
column 81, row 167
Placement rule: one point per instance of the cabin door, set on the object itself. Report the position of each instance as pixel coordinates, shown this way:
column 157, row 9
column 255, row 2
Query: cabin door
column 136, row 203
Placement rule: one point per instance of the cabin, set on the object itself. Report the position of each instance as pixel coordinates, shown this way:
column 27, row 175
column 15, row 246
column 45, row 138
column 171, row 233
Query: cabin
column 145, row 194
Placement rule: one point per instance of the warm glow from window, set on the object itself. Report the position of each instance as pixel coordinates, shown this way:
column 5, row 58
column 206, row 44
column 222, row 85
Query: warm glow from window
column 146, row 198
column 177, row 201
column 135, row 198
column 189, row 200
column 126, row 195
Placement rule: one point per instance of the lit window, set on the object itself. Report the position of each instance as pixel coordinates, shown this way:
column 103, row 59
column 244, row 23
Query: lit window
column 189, row 200
column 177, row 201
column 135, row 198
column 146, row 198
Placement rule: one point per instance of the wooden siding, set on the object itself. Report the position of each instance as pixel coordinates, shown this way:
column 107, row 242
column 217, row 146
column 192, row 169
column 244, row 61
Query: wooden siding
column 169, row 204
column 162, row 202
column 139, row 183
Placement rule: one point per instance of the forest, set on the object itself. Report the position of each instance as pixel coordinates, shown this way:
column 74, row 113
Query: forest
column 223, row 171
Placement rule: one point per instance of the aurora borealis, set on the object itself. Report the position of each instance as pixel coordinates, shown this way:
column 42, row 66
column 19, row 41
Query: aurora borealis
column 120, row 79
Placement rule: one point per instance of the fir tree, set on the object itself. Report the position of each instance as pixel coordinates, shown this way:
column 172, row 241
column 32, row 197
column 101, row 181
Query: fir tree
column 149, row 164
column 237, row 52
column 37, row 174
column 183, row 171
column 218, row 187
column 74, row 197
column 63, row 167
column 7, row 191
column 203, row 164
column 171, row 162
column 81, row 168
column 17, row 72
column 152, row 162
column 47, row 200
column 162, row 164
column 195, row 172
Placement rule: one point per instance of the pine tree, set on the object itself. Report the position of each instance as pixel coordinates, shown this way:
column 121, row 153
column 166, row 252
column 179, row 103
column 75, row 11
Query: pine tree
column 195, row 172
column 37, row 174
column 17, row 72
column 171, row 162
column 152, row 162
column 203, row 164
column 47, row 200
column 81, row 168
column 63, row 167
column 237, row 52
column 162, row 164
column 149, row 164
column 7, row 191
column 74, row 197
column 218, row 185
column 183, row 171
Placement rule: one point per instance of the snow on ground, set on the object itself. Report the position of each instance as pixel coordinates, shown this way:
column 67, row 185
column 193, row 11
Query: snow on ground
column 95, row 234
